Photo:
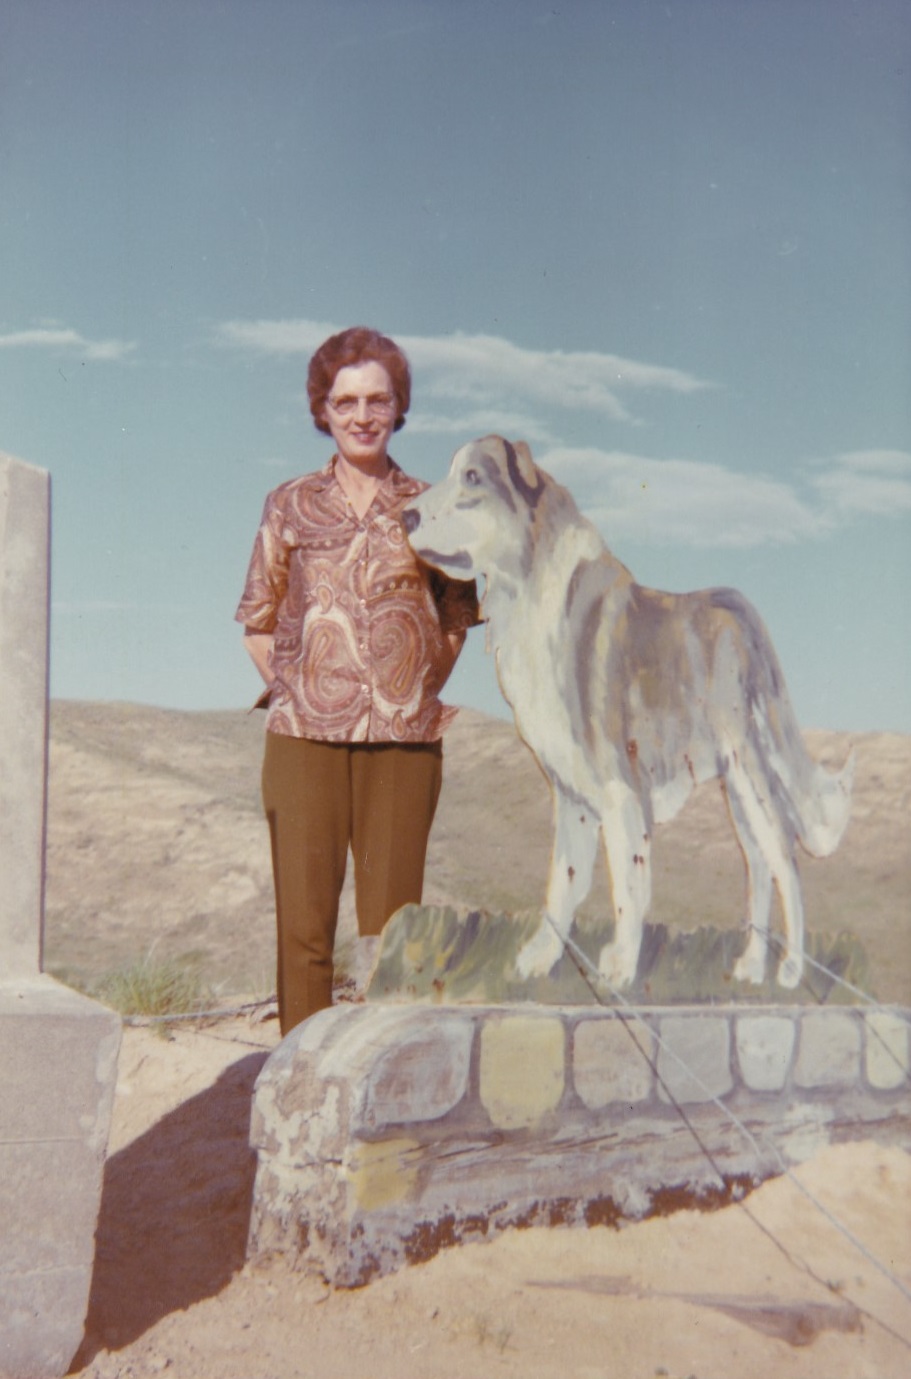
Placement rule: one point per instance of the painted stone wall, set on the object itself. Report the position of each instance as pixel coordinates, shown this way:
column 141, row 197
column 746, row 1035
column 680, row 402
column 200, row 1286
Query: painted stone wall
column 386, row 1132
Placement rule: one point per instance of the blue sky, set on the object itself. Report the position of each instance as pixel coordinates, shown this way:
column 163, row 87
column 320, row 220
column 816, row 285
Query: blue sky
column 665, row 243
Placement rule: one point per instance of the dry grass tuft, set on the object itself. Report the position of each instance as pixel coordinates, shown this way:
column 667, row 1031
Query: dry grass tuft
column 174, row 986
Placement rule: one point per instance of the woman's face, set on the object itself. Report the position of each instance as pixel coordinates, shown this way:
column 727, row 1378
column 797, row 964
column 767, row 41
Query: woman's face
column 361, row 412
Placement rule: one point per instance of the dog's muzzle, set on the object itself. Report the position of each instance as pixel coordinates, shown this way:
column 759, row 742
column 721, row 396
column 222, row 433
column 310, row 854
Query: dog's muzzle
column 412, row 520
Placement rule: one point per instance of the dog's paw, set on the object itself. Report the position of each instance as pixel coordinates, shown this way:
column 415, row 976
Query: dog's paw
column 617, row 965
column 542, row 951
column 790, row 971
column 750, row 968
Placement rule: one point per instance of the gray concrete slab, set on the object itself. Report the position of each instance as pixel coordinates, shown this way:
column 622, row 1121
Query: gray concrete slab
column 58, row 1050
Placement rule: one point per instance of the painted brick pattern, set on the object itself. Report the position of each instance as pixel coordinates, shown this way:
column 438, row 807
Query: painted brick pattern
column 694, row 1061
column 421, row 1076
column 828, row 1051
column 886, row 1049
column 765, row 1048
column 522, row 1068
column 613, row 1062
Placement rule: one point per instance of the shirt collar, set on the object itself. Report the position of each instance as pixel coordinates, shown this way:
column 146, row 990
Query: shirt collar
column 396, row 484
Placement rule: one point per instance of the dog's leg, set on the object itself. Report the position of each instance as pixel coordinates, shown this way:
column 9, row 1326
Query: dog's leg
column 575, row 847
column 629, row 860
column 769, row 855
column 790, row 969
column 751, row 965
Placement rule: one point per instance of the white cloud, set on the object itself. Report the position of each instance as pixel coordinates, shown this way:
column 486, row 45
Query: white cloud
column 486, row 422
column 485, row 367
column 485, row 370
column 477, row 384
column 63, row 338
column 691, row 503
column 275, row 337
column 107, row 350
column 683, row 502
column 876, row 483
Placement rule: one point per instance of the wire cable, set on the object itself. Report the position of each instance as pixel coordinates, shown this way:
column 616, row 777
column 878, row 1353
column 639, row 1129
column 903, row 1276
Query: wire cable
column 588, row 970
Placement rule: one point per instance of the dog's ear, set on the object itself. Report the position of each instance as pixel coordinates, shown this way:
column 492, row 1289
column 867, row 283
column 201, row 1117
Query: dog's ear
column 526, row 464
column 524, row 472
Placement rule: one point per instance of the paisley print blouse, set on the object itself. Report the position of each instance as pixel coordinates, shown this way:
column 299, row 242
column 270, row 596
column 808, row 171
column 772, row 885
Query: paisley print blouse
column 359, row 622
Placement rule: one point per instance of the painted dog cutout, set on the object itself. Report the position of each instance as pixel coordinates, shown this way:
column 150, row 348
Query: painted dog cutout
column 629, row 697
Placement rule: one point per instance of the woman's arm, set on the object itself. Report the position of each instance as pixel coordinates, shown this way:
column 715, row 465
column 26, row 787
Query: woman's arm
column 260, row 645
column 452, row 645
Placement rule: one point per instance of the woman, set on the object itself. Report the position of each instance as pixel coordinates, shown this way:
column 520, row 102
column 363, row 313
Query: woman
column 355, row 638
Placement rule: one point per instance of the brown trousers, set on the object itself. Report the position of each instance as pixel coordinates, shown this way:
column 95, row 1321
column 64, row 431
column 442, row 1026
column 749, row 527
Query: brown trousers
column 320, row 798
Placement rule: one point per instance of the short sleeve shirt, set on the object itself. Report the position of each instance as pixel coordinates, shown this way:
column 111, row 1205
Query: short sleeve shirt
column 360, row 624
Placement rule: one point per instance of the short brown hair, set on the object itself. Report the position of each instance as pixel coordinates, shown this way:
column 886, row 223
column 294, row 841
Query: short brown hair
column 359, row 345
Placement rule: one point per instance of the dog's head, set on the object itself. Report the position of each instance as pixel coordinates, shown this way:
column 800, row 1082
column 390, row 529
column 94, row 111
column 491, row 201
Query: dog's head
column 479, row 519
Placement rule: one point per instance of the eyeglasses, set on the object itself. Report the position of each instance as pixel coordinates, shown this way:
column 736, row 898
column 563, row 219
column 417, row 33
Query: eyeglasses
column 378, row 404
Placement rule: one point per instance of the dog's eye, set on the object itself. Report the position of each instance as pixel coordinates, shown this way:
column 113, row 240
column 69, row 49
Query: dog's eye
column 472, row 478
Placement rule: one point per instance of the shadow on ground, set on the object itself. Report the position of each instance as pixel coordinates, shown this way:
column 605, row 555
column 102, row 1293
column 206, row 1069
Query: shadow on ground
column 175, row 1209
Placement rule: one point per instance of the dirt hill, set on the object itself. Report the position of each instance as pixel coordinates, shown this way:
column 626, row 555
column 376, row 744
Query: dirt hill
column 156, row 837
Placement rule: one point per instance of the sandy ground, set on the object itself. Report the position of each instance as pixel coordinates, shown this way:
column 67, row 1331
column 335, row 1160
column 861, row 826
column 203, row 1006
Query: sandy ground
column 765, row 1288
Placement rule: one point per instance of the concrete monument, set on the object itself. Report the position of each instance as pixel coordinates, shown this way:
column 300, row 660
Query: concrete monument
column 58, row 1050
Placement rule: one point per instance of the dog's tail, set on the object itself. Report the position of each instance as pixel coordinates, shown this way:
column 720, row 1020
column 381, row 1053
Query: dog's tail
column 827, row 807
column 818, row 798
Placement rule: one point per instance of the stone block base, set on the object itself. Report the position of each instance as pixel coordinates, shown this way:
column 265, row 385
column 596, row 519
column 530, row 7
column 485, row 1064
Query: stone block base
column 384, row 1132
column 58, row 1066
